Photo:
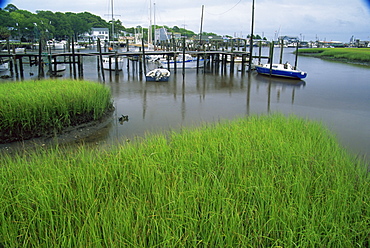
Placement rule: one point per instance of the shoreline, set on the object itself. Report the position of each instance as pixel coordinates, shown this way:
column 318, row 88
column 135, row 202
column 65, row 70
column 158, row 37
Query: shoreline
column 71, row 134
column 355, row 56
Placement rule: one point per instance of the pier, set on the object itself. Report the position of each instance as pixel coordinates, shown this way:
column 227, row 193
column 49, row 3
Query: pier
column 74, row 60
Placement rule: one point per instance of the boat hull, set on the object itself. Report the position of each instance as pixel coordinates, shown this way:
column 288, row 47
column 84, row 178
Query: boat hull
column 112, row 64
column 153, row 79
column 158, row 75
column 294, row 74
column 189, row 64
column 4, row 67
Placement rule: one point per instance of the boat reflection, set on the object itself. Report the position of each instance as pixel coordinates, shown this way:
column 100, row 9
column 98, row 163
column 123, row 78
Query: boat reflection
column 281, row 81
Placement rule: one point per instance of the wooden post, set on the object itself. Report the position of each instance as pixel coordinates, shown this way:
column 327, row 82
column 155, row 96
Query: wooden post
column 51, row 72
column 81, row 69
column 271, row 56
column 183, row 58
column 281, row 51
column 232, row 63
column 116, row 63
column 15, row 65
column 41, row 69
column 259, row 52
column 175, row 62
column 21, row 67
column 110, row 64
column 101, row 60
column 74, row 60
column 144, row 62
column 55, row 62
column 296, row 57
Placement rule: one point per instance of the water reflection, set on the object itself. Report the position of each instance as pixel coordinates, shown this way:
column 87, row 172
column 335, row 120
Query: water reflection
column 194, row 98
column 334, row 95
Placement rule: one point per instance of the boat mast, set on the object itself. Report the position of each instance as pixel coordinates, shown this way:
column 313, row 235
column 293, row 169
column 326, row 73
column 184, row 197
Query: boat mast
column 150, row 23
column 112, row 22
column 155, row 28
column 251, row 41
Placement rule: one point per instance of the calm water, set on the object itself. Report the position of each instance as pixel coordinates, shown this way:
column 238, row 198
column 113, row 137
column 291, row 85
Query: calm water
column 336, row 94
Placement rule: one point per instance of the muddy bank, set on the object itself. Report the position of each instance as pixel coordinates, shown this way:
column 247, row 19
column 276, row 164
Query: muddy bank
column 341, row 60
column 71, row 134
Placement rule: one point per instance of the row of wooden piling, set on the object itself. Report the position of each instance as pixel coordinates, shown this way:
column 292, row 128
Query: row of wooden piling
column 215, row 59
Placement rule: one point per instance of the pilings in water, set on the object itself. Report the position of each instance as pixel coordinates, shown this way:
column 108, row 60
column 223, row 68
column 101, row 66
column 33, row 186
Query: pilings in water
column 220, row 60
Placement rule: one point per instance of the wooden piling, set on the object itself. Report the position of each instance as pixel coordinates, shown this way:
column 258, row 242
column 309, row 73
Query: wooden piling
column 21, row 67
column 142, row 44
column 271, row 56
column 101, row 60
column 296, row 57
column 281, row 51
column 183, row 58
column 74, row 60
column 41, row 68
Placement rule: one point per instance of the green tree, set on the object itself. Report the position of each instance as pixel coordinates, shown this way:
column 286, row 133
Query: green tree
column 4, row 33
column 77, row 24
column 10, row 8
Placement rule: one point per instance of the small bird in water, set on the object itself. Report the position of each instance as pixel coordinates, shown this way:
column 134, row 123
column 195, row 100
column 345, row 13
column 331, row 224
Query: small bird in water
column 122, row 119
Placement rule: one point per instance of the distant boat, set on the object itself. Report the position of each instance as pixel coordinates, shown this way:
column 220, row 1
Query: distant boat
column 113, row 64
column 158, row 75
column 280, row 70
column 237, row 59
column 188, row 60
column 16, row 50
column 60, row 68
column 4, row 66
column 57, row 45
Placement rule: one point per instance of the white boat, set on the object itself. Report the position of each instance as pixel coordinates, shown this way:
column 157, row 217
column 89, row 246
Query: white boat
column 4, row 66
column 158, row 75
column 237, row 59
column 77, row 46
column 112, row 64
column 188, row 60
column 280, row 70
column 16, row 50
column 20, row 50
column 57, row 45
column 60, row 68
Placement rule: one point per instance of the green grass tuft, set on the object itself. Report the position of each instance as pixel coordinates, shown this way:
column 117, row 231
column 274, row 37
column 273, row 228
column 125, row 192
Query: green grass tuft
column 350, row 54
column 32, row 108
column 263, row 181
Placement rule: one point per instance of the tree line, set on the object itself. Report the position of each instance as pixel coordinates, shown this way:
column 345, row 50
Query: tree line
column 26, row 26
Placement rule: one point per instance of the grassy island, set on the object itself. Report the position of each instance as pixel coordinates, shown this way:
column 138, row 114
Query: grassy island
column 261, row 181
column 355, row 55
column 31, row 109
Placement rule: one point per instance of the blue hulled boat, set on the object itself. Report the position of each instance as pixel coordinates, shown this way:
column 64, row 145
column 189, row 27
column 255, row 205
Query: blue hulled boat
column 158, row 75
column 280, row 70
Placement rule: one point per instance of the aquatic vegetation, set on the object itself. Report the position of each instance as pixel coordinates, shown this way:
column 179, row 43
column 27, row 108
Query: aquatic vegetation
column 350, row 54
column 35, row 108
column 261, row 181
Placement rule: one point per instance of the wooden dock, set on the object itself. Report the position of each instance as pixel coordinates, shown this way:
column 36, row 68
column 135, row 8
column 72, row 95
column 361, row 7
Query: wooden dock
column 75, row 60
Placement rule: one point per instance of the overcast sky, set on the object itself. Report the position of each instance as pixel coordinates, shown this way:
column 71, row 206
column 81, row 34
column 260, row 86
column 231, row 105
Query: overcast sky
column 322, row 19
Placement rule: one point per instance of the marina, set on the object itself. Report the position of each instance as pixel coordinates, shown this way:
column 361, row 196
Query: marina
column 336, row 96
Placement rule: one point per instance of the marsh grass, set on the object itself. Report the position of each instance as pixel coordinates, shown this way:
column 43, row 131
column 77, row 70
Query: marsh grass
column 263, row 181
column 349, row 54
column 33, row 108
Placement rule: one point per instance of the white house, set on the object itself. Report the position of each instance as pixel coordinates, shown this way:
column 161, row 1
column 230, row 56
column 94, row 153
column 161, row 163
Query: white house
column 101, row 33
